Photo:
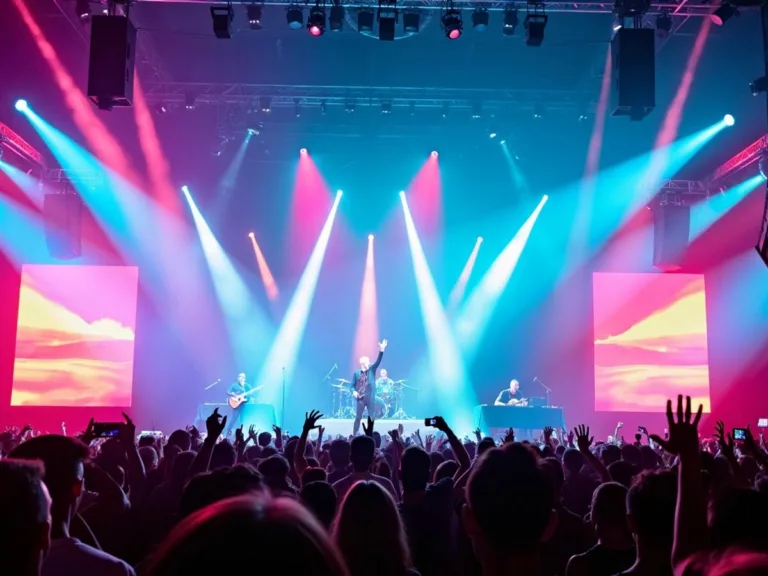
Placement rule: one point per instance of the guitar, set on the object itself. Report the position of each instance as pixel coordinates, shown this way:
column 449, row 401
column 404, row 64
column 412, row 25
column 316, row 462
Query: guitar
column 236, row 401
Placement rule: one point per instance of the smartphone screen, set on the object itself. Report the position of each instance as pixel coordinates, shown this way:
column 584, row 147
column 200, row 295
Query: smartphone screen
column 762, row 423
column 106, row 429
column 739, row 433
column 429, row 421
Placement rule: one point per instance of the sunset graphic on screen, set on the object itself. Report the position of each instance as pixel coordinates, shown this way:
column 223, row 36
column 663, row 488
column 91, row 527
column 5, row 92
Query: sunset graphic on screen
column 75, row 336
column 650, row 341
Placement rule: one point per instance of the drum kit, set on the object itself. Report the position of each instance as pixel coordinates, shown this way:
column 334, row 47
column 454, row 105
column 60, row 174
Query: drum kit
column 388, row 402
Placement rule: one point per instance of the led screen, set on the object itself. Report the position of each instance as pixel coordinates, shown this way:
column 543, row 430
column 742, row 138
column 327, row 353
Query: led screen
column 650, row 341
column 75, row 336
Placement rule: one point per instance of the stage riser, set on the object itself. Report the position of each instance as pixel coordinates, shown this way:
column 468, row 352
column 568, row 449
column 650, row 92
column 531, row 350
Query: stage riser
column 335, row 426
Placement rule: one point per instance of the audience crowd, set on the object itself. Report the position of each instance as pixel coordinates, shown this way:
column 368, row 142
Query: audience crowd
column 381, row 504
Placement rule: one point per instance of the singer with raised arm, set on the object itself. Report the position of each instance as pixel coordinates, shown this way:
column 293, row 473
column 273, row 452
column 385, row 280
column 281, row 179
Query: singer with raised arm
column 511, row 396
column 363, row 386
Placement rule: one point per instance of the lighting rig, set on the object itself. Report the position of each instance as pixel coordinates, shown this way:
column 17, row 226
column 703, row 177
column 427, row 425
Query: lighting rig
column 535, row 23
column 387, row 16
column 451, row 21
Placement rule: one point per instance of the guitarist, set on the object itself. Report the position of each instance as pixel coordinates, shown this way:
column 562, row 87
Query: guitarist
column 240, row 386
column 364, row 386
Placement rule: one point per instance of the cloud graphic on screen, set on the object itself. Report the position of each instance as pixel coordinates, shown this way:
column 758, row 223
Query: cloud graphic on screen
column 38, row 314
column 680, row 323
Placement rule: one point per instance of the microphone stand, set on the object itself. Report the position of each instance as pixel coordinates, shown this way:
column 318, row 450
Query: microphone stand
column 546, row 388
column 207, row 389
column 328, row 376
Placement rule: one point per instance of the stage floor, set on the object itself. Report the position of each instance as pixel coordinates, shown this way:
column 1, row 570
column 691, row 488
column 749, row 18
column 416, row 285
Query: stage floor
column 335, row 426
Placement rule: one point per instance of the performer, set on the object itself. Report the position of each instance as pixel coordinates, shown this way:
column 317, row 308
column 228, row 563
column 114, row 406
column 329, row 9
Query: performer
column 363, row 386
column 509, row 396
column 239, row 386
column 384, row 381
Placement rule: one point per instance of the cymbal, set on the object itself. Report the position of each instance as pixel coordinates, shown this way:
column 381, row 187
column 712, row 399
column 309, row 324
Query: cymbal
column 339, row 386
column 403, row 381
column 343, row 380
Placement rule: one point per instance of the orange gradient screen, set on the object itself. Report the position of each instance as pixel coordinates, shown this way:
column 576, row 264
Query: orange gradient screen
column 650, row 341
column 75, row 336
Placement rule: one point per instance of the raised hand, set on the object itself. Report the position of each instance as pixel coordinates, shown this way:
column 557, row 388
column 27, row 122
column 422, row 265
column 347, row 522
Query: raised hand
column 128, row 431
column 750, row 446
column 683, row 432
column 88, row 436
column 239, row 438
column 509, row 436
column 583, row 439
column 252, row 432
column 215, row 424
column 383, row 345
column 725, row 441
column 310, row 420
column 441, row 424
column 368, row 429
column 397, row 444
column 548, row 430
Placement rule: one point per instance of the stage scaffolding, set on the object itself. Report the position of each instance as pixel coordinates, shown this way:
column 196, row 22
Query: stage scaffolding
column 682, row 9
column 308, row 96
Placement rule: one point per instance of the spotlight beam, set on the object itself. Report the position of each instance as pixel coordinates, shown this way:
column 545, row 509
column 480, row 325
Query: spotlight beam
column 445, row 366
column 279, row 365
column 477, row 311
column 246, row 323
column 367, row 331
column 270, row 286
column 457, row 294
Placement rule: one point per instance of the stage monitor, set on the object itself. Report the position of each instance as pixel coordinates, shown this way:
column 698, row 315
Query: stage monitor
column 650, row 334
column 75, row 336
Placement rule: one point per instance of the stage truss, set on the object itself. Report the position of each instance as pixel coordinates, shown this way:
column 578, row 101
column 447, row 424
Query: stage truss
column 285, row 96
column 682, row 9
column 11, row 141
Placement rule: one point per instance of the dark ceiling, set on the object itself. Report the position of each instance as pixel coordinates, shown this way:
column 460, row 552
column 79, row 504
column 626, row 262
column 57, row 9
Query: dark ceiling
column 179, row 36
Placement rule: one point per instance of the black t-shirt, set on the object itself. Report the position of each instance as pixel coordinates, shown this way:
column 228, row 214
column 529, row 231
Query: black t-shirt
column 602, row 561
column 428, row 528
column 506, row 395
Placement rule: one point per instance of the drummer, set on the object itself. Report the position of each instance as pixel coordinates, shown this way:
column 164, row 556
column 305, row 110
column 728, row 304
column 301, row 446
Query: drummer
column 384, row 384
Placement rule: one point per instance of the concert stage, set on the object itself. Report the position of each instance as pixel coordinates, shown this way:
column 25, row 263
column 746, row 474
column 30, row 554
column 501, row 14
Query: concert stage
column 337, row 426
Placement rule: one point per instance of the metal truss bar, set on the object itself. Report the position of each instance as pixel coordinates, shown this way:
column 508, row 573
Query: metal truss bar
column 65, row 178
column 679, row 9
column 741, row 160
column 285, row 96
column 686, row 187
column 17, row 144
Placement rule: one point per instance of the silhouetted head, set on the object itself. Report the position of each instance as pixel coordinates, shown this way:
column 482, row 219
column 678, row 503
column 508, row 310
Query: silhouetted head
column 266, row 525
